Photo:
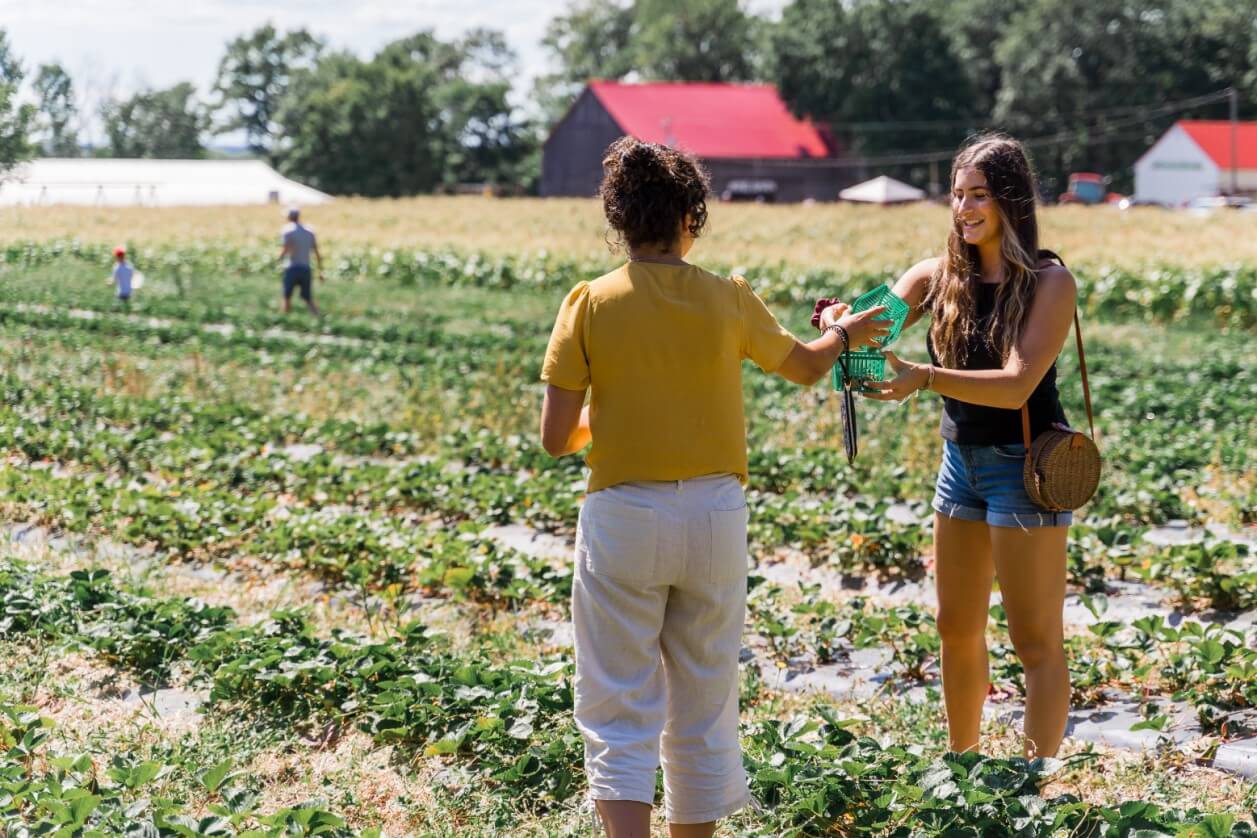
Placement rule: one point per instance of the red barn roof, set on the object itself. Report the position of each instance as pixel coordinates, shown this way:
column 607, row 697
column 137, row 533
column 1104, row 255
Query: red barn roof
column 710, row 120
column 1214, row 139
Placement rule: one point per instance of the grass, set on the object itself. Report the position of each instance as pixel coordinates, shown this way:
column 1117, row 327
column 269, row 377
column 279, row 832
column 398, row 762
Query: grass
column 829, row 236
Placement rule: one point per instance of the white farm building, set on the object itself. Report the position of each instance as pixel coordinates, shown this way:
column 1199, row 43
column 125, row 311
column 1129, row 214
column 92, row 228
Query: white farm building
column 115, row 182
column 1193, row 160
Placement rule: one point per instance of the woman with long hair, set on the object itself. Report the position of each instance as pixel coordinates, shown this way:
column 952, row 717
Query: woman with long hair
column 659, row 590
column 999, row 314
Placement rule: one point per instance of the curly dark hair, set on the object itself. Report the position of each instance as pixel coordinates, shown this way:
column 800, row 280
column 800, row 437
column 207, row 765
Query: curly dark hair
column 649, row 190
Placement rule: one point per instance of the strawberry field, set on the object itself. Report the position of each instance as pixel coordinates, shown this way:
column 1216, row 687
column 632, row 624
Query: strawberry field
column 280, row 576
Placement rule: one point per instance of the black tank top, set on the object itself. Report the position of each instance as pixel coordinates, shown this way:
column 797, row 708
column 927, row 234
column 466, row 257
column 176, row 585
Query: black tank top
column 975, row 424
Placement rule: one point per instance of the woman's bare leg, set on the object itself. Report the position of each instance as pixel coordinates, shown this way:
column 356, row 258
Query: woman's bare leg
column 1030, row 565
column 630, row 819
column 963, row 573
column 625, row 818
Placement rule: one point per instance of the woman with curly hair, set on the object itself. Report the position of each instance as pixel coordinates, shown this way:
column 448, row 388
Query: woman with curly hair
column 659, row 593
column 999, row 316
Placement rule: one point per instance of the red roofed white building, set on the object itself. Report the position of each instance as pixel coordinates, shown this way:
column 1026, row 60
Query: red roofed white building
column 745, row 135
column 1193, row 160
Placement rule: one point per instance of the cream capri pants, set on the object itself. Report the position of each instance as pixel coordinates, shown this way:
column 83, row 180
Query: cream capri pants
column 658, row 603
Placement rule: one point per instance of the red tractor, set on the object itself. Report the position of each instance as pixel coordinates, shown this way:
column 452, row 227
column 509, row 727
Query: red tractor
column 1089, row 189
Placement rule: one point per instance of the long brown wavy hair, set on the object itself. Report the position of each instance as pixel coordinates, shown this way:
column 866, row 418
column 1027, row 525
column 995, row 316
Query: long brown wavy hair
column 952, row 295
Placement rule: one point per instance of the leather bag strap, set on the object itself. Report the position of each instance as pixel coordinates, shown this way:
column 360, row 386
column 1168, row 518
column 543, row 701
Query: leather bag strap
column 1082, row 366
column 1086, row 392
column 1025, row 428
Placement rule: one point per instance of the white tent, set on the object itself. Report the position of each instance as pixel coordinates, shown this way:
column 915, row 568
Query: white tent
column 881, row 190
column 114, row 182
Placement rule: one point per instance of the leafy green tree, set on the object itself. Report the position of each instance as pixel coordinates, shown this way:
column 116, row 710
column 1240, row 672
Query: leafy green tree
column 15, row 118
column 1088, row 70
column 55, row 90
column 816, row 48
column 485, row 142
column 362, row 127
column 492, row 144
column 861, row 66
column 1213, row 46
column 422, row 114
column 670, row 40
column 693, row 40
column 975, row 28
column 592, row 39
column 156, row 123
column 253, row 75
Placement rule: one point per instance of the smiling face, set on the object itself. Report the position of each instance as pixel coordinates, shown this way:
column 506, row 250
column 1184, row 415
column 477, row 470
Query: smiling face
column 974, row 208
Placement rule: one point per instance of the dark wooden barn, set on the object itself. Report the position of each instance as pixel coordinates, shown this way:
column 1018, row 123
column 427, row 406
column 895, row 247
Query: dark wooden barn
column 749, row 141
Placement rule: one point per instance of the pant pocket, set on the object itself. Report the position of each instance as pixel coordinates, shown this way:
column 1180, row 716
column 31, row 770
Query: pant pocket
column 728, row 545
column 1016, row 451
column 618, row 540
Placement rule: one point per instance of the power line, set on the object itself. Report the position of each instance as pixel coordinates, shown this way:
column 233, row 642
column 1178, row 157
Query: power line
column 939, row 124
column 1094, row 135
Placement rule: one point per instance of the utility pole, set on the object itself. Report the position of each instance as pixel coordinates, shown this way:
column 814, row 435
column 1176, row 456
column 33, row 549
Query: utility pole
column 1235, row 140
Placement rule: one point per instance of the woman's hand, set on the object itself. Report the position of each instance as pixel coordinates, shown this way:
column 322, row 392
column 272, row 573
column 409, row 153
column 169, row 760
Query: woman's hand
column 822, row 304
column 862, row 329
column 830, row 315
column 908, row 379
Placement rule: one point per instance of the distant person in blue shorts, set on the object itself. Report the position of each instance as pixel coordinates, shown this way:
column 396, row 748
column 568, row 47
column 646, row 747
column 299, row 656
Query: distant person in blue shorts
column 298, row 244
column 122, row 275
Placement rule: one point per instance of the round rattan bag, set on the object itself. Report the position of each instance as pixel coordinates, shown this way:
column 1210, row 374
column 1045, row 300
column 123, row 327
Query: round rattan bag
column 1062, row 465
column 1062, row 470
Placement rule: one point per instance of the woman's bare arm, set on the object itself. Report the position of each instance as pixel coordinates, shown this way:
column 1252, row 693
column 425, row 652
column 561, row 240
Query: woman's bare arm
column 808, row 362
column 1047, row 326
column 912, row 287
column 564, row 421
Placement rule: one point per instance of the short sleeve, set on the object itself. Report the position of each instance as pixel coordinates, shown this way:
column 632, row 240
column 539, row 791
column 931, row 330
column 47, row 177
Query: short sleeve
column 567, row 356
column 764, row 340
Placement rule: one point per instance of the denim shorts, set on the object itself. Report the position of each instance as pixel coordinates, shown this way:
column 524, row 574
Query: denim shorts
column 985, row 483
column 298, row 277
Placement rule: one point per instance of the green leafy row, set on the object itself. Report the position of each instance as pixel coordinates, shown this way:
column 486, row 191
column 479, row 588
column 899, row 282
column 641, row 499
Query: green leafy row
column 510, row 725
column 1224, row 294
column 408, row 688
column 817, row 777
column 194, row 476
column 43, row 793
column 46, row 793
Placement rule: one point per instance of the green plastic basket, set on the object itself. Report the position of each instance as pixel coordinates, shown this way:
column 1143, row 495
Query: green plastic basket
column 862, row 365
column 896, row 310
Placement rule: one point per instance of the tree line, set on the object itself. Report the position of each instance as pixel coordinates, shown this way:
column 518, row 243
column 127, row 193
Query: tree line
column 1092, row 83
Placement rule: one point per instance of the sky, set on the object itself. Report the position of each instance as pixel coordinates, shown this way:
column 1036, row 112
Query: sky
column 120, row 47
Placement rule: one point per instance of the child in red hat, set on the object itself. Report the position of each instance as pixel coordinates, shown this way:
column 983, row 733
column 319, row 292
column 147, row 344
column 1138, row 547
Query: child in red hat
column 122, row 274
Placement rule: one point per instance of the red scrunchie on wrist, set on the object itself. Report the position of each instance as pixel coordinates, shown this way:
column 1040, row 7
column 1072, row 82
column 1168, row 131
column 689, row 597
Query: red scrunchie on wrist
column 821, row 304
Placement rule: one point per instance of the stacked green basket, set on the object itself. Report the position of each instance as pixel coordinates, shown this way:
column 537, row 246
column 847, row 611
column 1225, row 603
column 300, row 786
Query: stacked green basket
column 870, row 364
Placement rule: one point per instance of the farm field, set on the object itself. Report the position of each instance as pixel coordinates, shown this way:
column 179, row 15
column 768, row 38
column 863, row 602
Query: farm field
column 311, row 577
column 834, row 237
